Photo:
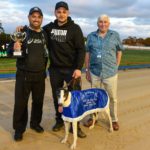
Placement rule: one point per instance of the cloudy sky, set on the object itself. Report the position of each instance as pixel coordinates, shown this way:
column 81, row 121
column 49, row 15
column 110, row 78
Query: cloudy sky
column 128, row 17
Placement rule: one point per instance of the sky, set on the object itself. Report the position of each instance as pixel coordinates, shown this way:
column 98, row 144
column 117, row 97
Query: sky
column 127, row 17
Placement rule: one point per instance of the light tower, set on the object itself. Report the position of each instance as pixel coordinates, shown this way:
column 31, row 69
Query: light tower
column 3, row 52
column 1, row 28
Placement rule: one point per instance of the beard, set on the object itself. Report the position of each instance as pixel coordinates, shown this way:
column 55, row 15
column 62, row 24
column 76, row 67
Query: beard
column 35, row 26
column 62, row 21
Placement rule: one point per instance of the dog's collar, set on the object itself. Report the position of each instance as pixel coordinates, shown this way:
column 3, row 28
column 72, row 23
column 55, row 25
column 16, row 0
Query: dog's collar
column 60, row 104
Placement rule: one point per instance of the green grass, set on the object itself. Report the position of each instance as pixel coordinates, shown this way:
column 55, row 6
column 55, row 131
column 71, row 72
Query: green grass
column 135, row 57
column 129, row 57
column 7, row 65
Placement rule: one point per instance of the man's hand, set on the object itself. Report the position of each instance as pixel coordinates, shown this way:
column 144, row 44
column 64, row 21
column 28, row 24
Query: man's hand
column 76, row 74
column 19, row 28
column 88, row 76
column 17, row 46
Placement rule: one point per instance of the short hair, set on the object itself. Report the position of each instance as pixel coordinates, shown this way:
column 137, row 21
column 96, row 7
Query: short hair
column 103, row 16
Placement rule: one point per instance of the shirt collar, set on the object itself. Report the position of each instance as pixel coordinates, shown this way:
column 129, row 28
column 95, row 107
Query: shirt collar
column 108, row 32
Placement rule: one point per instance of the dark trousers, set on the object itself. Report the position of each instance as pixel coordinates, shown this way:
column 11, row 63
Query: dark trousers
column 26, row 83
column 57, row 78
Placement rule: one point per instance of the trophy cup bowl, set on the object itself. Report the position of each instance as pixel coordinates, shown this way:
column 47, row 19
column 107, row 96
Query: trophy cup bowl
column 18, row 37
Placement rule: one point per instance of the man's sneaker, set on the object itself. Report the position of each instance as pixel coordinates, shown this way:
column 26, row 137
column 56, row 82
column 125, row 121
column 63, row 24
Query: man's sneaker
column 88, row 123
column 115, row 126
column 57, row 126
column 80, row 133
column 37, row 128
column 18, row 136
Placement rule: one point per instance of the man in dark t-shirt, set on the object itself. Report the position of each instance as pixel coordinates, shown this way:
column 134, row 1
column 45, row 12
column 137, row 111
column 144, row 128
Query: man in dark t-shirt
column 30, row 76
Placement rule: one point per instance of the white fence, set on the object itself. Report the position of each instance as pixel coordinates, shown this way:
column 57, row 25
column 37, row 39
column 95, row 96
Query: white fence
column 136, row 47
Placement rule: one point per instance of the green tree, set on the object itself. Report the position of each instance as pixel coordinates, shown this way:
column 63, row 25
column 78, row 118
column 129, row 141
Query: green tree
column 147, row 42
column 4, row 38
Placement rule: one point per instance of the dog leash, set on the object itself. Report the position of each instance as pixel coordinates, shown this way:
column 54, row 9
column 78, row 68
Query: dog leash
column 73, row 82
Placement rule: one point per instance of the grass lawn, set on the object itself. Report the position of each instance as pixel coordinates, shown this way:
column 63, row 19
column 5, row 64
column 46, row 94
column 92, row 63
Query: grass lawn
column 130, row 57
column 7, row 65
column 135, row 57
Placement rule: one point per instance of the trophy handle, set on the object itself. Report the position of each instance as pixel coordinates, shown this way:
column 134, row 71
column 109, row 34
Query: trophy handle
column 24, row 36
column 12, row 37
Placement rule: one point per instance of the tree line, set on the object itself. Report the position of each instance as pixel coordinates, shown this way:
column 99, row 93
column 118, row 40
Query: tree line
column 134, row 41
column 131, row 40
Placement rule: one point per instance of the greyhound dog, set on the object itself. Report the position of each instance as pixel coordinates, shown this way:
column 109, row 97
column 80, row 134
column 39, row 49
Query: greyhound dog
column 75, row 105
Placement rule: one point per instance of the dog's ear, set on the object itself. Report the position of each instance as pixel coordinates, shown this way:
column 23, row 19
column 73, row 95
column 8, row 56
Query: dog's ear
column 66, row 93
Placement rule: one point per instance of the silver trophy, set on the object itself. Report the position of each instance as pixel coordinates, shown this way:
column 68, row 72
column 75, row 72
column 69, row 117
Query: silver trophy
column 18, row 37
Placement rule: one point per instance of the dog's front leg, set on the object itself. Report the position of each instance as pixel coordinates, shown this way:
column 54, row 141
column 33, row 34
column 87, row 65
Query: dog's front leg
column 74, row 126
column 67, row 126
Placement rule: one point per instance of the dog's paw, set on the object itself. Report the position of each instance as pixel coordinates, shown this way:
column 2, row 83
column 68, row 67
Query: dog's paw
column 111, row 130
column 73, row 146
column 64, row 140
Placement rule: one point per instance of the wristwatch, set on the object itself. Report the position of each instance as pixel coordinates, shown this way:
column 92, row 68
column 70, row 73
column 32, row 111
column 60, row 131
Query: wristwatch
column 86, row 69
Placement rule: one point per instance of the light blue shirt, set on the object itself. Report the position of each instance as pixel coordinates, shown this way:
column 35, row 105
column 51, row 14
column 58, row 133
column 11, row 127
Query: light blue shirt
column 103, row 60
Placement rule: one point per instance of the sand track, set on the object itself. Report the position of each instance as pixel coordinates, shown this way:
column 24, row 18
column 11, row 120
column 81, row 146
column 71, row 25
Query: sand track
column 133, row 110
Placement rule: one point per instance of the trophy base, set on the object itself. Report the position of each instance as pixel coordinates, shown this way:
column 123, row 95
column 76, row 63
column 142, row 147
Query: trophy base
column 17, row 54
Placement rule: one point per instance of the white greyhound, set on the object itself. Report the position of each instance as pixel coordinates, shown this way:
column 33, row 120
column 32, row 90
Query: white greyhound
column 75, row 105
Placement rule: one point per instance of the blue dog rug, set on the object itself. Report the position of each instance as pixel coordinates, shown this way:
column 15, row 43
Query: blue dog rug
column 85, row 102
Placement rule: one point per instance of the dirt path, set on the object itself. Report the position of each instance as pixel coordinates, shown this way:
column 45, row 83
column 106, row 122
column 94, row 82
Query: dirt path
column 133, row 109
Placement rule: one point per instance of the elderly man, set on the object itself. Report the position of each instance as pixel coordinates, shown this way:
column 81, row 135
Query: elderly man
column 103, row 56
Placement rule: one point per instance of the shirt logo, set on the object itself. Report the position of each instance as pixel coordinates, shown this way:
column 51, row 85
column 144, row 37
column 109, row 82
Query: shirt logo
column 59, row 35
column 36, row 41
